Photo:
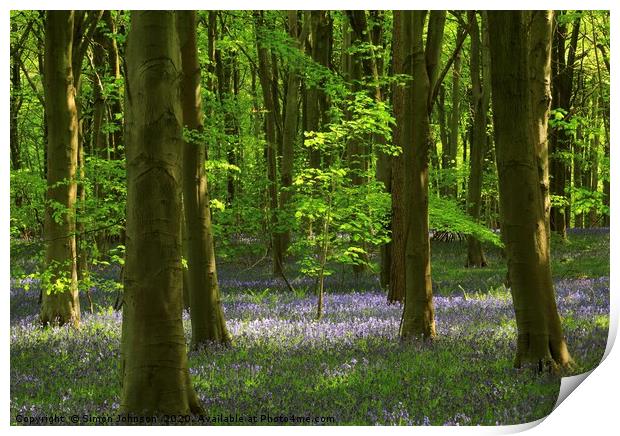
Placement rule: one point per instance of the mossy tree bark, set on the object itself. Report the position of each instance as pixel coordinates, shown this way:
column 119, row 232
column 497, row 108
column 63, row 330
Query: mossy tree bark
column 154, row 368
column 480, row 103
column 207, row 318
column 60, row 301
column 524, row 231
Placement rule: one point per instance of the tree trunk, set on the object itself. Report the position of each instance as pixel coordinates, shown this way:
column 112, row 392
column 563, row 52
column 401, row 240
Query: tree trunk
column 592, row 175
column 265, row 76
column 357, row 150
column 453, row 127
column 16, row 100
column 539, row 43
column 317, row 107
column 356, row 67
column 384, row 161
column 289, row 134
column 443, row 130
column 154, row 368
column 99, row 145
column 562, row 87
column 540, row 337
column 223, row 62
column 115, row 138
column 480, row 101
column 60, row 303
column 41, row 69
column 401, row 134
column 418, row 313
column 577, row 164
column 207, row 318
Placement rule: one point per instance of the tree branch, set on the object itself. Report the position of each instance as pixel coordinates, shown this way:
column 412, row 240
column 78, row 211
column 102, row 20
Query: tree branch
column 459, row 44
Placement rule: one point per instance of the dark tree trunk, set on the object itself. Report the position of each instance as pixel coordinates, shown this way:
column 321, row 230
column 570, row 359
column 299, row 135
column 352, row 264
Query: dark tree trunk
column 480, row 102
column 265, row 75
column 562, row 88
column 540, row 338
column 317, row 105
column 16, row 102
column 154, row 367
column 418, row 313
column 289, row 134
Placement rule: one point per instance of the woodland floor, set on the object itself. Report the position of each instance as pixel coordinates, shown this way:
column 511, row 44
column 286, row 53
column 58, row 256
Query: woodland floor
column 349, row 366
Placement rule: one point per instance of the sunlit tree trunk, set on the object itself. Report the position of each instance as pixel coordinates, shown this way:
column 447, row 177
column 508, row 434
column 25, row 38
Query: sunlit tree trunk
column 524, row 231
column 84, row 26
column 154, row 368
column 60, row 302
column 205, row 304
column 539, row 43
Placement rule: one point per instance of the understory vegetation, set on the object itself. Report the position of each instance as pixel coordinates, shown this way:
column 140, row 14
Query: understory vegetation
column 350, row 365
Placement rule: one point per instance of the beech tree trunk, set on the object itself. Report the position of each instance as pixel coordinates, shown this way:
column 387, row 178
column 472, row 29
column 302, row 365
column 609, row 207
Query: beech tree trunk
column 115, row 138
column 401, row 133
column 540, row 38
column 562, row 88
column 207, row 318
column 418, row 313
column 99, row 144
column 592, row 174
column 453, row 127
column 224, row 69
column 480, row 102
column 289, row 134
column 16, row 102
column 266, row 76
column 60, row 301
column 522, row 210
column 317, row 106
column 154, row 368
column 357, row 148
